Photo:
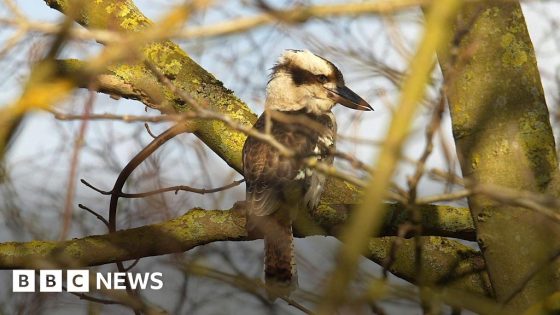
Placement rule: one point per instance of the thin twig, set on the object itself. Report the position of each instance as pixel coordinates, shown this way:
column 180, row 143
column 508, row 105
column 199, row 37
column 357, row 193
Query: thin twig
column 75, row 160
column 176, row 189
column 134, row 163
column 413, row 182
column 136, row 261
column 97, row 215
column 444, row 197
column 103, row 192
column 149, row 131
column 123, row 118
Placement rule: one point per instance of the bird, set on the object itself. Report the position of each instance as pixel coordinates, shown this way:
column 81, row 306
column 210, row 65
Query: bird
column 300, row 94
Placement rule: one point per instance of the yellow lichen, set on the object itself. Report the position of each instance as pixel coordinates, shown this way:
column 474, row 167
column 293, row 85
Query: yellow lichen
column 519, row 58
column 507, row 39
column 124, row 10
column 502, row 148
column 221, row 218
column 173, row 67
column 111, row 8
column 515, row 51
column 129, row 24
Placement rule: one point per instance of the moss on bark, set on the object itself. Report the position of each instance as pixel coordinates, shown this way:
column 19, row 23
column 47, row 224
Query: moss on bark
column 503, row 137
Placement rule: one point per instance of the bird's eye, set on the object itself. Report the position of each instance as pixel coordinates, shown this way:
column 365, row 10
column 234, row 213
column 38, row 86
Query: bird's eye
column 322, row 78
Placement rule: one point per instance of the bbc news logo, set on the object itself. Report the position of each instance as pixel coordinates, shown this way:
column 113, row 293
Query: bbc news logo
column 79, row 280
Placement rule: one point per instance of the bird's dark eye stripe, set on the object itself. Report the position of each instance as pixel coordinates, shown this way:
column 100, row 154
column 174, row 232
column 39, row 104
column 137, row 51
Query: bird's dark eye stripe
column 301, row 76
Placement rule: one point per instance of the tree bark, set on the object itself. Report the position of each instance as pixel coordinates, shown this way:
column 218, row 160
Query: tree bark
column 503, row 137
column 448, row 263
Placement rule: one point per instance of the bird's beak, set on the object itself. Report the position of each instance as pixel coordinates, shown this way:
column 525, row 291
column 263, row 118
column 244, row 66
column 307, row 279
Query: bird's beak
column 346, row 97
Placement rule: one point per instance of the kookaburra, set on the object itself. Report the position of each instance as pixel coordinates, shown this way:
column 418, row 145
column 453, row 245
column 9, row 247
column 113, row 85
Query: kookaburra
column 302, row 90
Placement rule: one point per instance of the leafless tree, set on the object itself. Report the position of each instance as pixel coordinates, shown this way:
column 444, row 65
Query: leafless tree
column 449, row 189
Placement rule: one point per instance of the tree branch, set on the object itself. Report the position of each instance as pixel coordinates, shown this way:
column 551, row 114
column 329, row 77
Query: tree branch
column 445, row 261
column 504, row 138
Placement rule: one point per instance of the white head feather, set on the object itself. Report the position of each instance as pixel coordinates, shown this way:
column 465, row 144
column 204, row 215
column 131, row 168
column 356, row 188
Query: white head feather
column 284, row 94
column 307, row 60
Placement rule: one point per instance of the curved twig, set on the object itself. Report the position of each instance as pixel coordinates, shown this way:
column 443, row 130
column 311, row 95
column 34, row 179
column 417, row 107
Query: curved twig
column 97, row 215
column 125, row 173
column 116, row 192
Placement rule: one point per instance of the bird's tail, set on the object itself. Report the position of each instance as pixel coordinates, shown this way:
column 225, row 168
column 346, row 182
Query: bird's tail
column 280, row 272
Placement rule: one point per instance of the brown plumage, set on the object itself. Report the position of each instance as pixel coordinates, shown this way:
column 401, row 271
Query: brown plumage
column 302, row 90
column 278, row 186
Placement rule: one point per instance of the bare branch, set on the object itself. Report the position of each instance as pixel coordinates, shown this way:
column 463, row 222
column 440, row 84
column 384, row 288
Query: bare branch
column 198, row 227
column 176, row 189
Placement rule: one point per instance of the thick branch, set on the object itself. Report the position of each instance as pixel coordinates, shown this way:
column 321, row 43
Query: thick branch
column 436, row 220
column 197, row 227
column 503, row 137
column 447, row 262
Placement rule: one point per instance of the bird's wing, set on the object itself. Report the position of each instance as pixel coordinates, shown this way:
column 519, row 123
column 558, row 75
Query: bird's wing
column 267, row 172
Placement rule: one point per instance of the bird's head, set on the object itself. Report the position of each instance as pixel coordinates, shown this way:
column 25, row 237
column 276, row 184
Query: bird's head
column 302, row 80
